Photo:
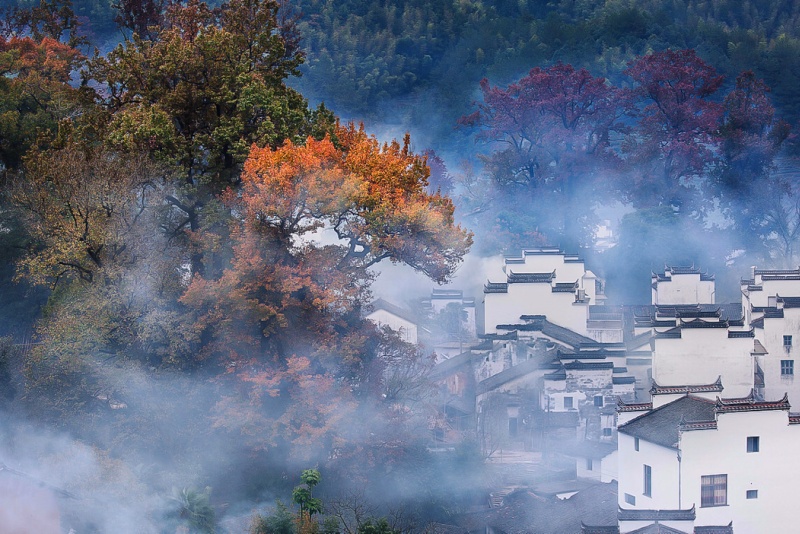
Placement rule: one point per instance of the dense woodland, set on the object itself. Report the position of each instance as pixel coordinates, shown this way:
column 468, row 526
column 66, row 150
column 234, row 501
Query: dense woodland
column 190, row 224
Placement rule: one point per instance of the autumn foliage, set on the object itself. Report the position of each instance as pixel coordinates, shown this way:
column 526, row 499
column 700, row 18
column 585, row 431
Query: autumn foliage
column 310, row 220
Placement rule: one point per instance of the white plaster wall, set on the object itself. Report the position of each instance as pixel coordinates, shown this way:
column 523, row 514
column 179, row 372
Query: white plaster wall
column 784, row 288
column 776, row 385
column 590, row 474
column 533, row 299
column 772, row 471
column 684, row 289
column 406, row 329
column 547, row 263
column 609, row 468
column 665, row 474
column 700, row 356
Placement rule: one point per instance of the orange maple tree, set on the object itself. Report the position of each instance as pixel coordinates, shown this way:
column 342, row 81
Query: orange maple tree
column 309, row 222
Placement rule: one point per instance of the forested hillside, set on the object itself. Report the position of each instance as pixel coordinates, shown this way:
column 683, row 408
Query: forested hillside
column 191, row 225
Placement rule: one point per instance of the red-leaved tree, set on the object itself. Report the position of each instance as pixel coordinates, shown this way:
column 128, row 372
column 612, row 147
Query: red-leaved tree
column 676, row 138
column 550, row 133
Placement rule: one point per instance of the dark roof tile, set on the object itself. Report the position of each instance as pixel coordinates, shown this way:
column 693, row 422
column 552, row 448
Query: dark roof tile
column 634, row 406
column 686, row 389
column 530, row 278
column 512, row 373
column 727, row 529
column 661, row 425
column 623, row 380
column 656, row 515
column 495, row 287
column 657, row 528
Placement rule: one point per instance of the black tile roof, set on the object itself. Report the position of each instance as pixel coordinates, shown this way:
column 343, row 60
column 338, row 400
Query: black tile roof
column 657, row 528
column 734, row 334
column 530, row 278
column 661, row 425
column 699, row 313
column 672, row 310
column 539, row 323
column 776, row 272
column 699, row 323
column 773, row 313
column 591, row 529
column 727, row 529
column 678, row 269
column 656, row 515
column 674, row 333
column 495, row 287
column 517, row 371
column 622, row 406
column 451, row 365
column 524, row 512
column 588, row 366
column 790, row 302
column 686, row 389
column 751, row 404
column 560, row 374
column 508, row 336
column 588, row 354
column 623, row 379
column 564, row 287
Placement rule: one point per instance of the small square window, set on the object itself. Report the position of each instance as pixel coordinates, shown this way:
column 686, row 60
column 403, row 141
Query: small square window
column 752, row 443
column 752, row 494
column 787, row 341
column 598, row 401
column 630, row 499
column 787, row 367
column 607, row 432
column 567, row 402
column 636, row 444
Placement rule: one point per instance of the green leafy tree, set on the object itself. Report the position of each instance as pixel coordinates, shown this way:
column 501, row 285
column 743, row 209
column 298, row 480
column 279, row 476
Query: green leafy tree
column 280, row 521
column 195, row 509
column 309, row 505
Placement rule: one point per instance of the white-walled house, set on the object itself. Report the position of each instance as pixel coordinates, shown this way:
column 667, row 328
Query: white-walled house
column 594, row 460
column 402, row 321
column 700, row 350
column 683, row 285
column 694, row 463
column 543, row 281
column 771, row 301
